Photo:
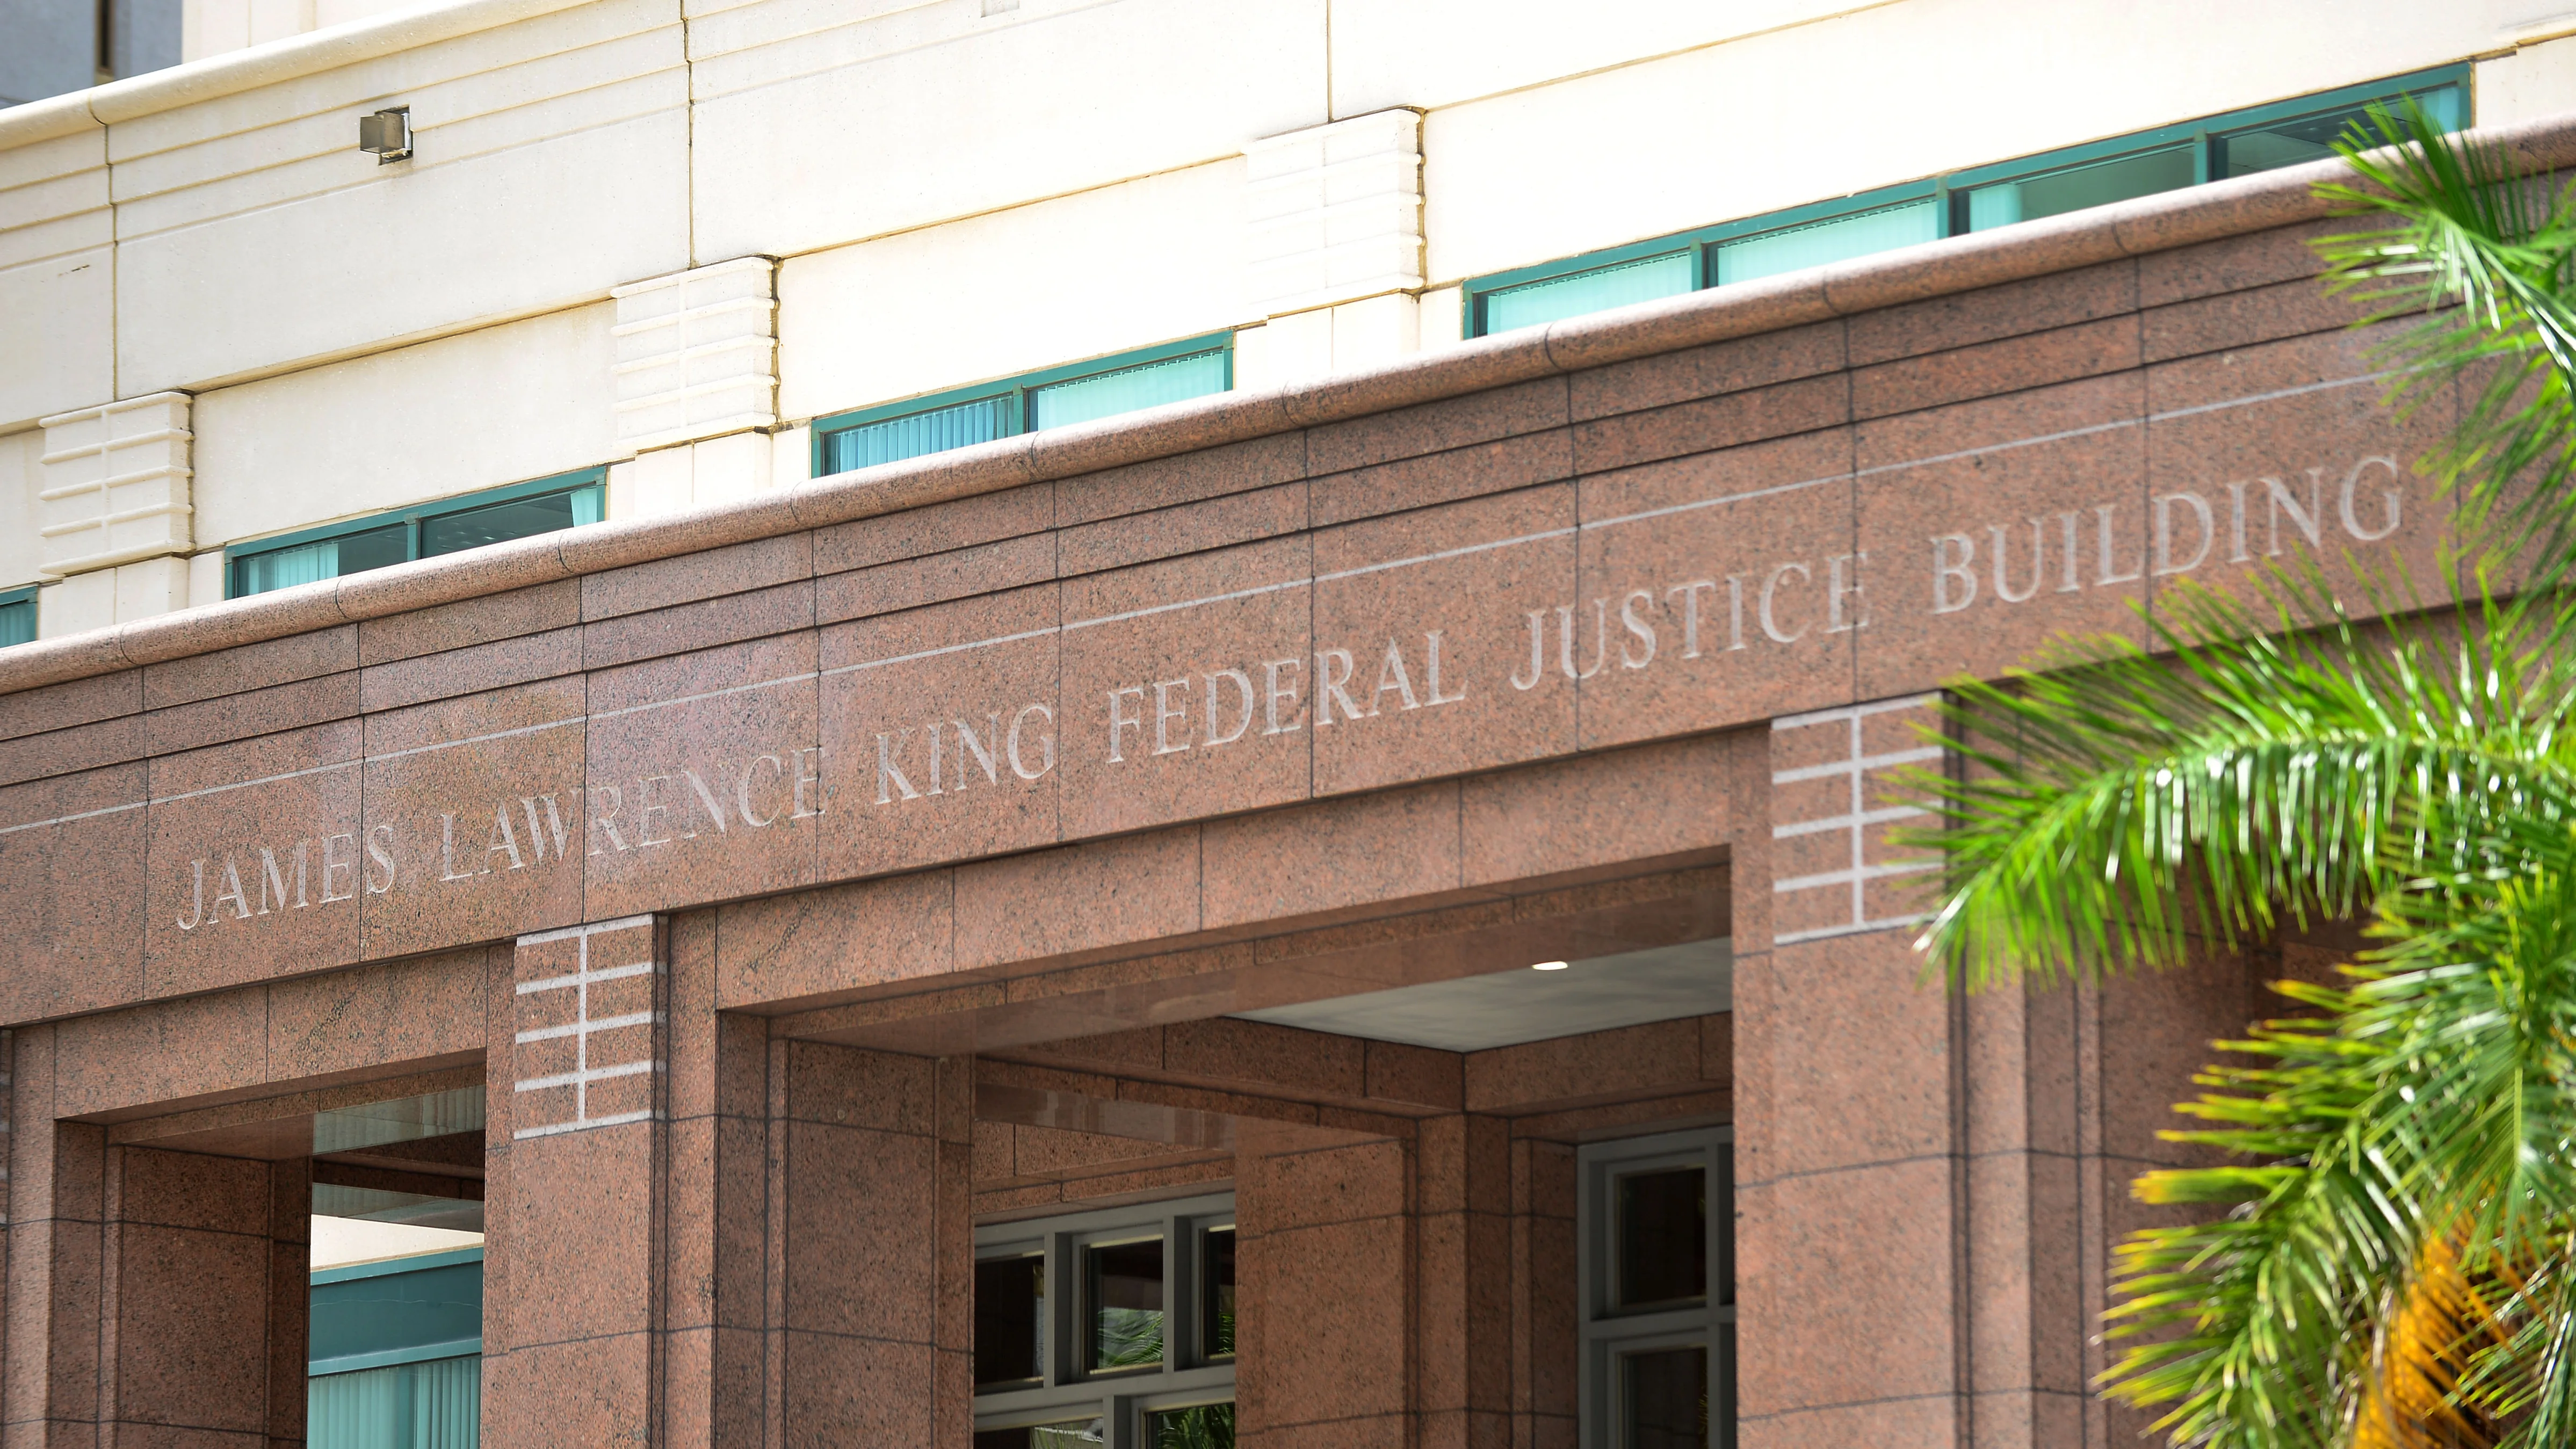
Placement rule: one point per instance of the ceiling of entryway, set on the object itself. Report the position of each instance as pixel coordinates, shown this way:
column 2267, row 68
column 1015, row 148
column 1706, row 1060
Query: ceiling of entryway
column 1473, row 1013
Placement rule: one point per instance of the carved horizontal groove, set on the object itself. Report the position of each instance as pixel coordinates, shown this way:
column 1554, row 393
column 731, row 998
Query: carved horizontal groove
column 136, row 440
column 116, row 480
column 691, row 314
column 130, row 515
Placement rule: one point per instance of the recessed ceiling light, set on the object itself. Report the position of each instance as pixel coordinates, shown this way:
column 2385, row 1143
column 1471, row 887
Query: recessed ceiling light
column 1547, row 965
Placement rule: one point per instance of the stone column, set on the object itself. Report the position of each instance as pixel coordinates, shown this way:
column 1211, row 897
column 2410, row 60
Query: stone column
column 49, row 1364
column 1464, row 1233
column 714, row 1282
column 203, row 1298
column 1325, row 1272
column 874, row 1244
column 697, row 385
column 1336, row 248
column 575, row 1136
column 115, row 519
column 1847, row 1179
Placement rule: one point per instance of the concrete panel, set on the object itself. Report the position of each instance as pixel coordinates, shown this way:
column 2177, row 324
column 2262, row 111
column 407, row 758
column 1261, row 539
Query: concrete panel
column 548, row 168
column 1441, row 52
column 929, row 113
column 1817, row 111
column 2535, row 81
column 57, row 277
column 1112, row 268
column 504, row 404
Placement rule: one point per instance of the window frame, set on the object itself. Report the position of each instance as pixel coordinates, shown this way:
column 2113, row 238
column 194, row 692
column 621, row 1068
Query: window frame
column 412, row 517
column 1121, row 1398
column 25, row 594
column 1604, row 1334
column 1016, row 387
column 1949, row 188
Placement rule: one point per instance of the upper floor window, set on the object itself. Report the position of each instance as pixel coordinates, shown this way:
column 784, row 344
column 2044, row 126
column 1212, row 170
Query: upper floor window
column 1656, row 1218
column 2238, row 143
column 424, row 530
column 17, row 617
column 1102, row 387
column 1111, row 1328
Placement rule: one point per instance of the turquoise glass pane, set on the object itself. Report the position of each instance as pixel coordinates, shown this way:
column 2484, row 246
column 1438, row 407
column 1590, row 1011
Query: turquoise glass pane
column 2076, row 187
column 17, row 622
column 380, row 1313
column 2312, row 137
column 356, row 1411
column 1597, row 290
column 329, row 558
column 935, row 431
column 284, row 568
column 436, row 1404
column 1146, row 385
column 1837, row 240
column 501, row 522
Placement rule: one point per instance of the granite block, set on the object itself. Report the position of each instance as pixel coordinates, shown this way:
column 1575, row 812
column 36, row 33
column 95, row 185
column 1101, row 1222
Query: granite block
column 475, row 821
column 1736, row 365
column 1453, row 422
column 692, row 577
column 1423, row 627
column 680, row 628
column 253, row 860
column 938, row 528
column 1184, row 528
column 1725, row 421
column 73, row 848
column 1078, row 898
column 1474, row 471
column 941, row 729
column 705, row 777
column 935, row 578
column 467, row 622
column 839, row 938
column 1723, row 587
column 2014, row 523
column 1186, row 478
column 251, row 712
column 1331, row 856
column 252, row 666
column 1167, row 673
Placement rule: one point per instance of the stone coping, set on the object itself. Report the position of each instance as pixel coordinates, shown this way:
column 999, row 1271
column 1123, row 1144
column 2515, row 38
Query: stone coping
column 1911, row 274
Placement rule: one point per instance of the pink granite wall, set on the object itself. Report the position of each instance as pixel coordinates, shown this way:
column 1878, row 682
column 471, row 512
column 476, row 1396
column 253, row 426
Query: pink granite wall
column 574, row 1205
column 709, row 845
column 876, row 1250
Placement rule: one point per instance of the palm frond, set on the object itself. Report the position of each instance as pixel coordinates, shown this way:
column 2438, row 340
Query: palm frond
column 2271, row 770
column 2483, row 258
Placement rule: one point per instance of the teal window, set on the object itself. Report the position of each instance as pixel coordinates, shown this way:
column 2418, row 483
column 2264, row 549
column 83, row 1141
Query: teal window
column 2236, row 144
column 1103, row 387
column 395, row 1360
column 424, row 530
column 17, row 617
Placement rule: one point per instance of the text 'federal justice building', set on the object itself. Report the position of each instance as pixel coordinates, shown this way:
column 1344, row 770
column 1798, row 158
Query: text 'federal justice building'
column 1113, row 724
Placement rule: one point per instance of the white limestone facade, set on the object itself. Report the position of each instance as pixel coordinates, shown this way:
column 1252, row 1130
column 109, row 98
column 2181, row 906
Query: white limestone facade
column 660, row 238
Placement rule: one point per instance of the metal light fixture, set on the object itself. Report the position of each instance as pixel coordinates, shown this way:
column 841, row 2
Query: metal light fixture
column 386, row 135
column 1549, row 965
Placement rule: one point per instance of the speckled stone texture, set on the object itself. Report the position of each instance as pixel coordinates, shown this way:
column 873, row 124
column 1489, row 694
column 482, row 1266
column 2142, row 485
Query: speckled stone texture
column 758, row 858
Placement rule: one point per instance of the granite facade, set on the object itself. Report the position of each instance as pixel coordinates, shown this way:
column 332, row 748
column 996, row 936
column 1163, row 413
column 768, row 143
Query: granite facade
column 805, row 890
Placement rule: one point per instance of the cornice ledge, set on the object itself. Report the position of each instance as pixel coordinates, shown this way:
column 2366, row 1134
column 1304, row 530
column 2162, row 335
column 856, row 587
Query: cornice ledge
column 1940, row 268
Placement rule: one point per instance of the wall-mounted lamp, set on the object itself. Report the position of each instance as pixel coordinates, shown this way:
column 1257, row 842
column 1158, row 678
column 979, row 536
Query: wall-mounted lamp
column 386, row 135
